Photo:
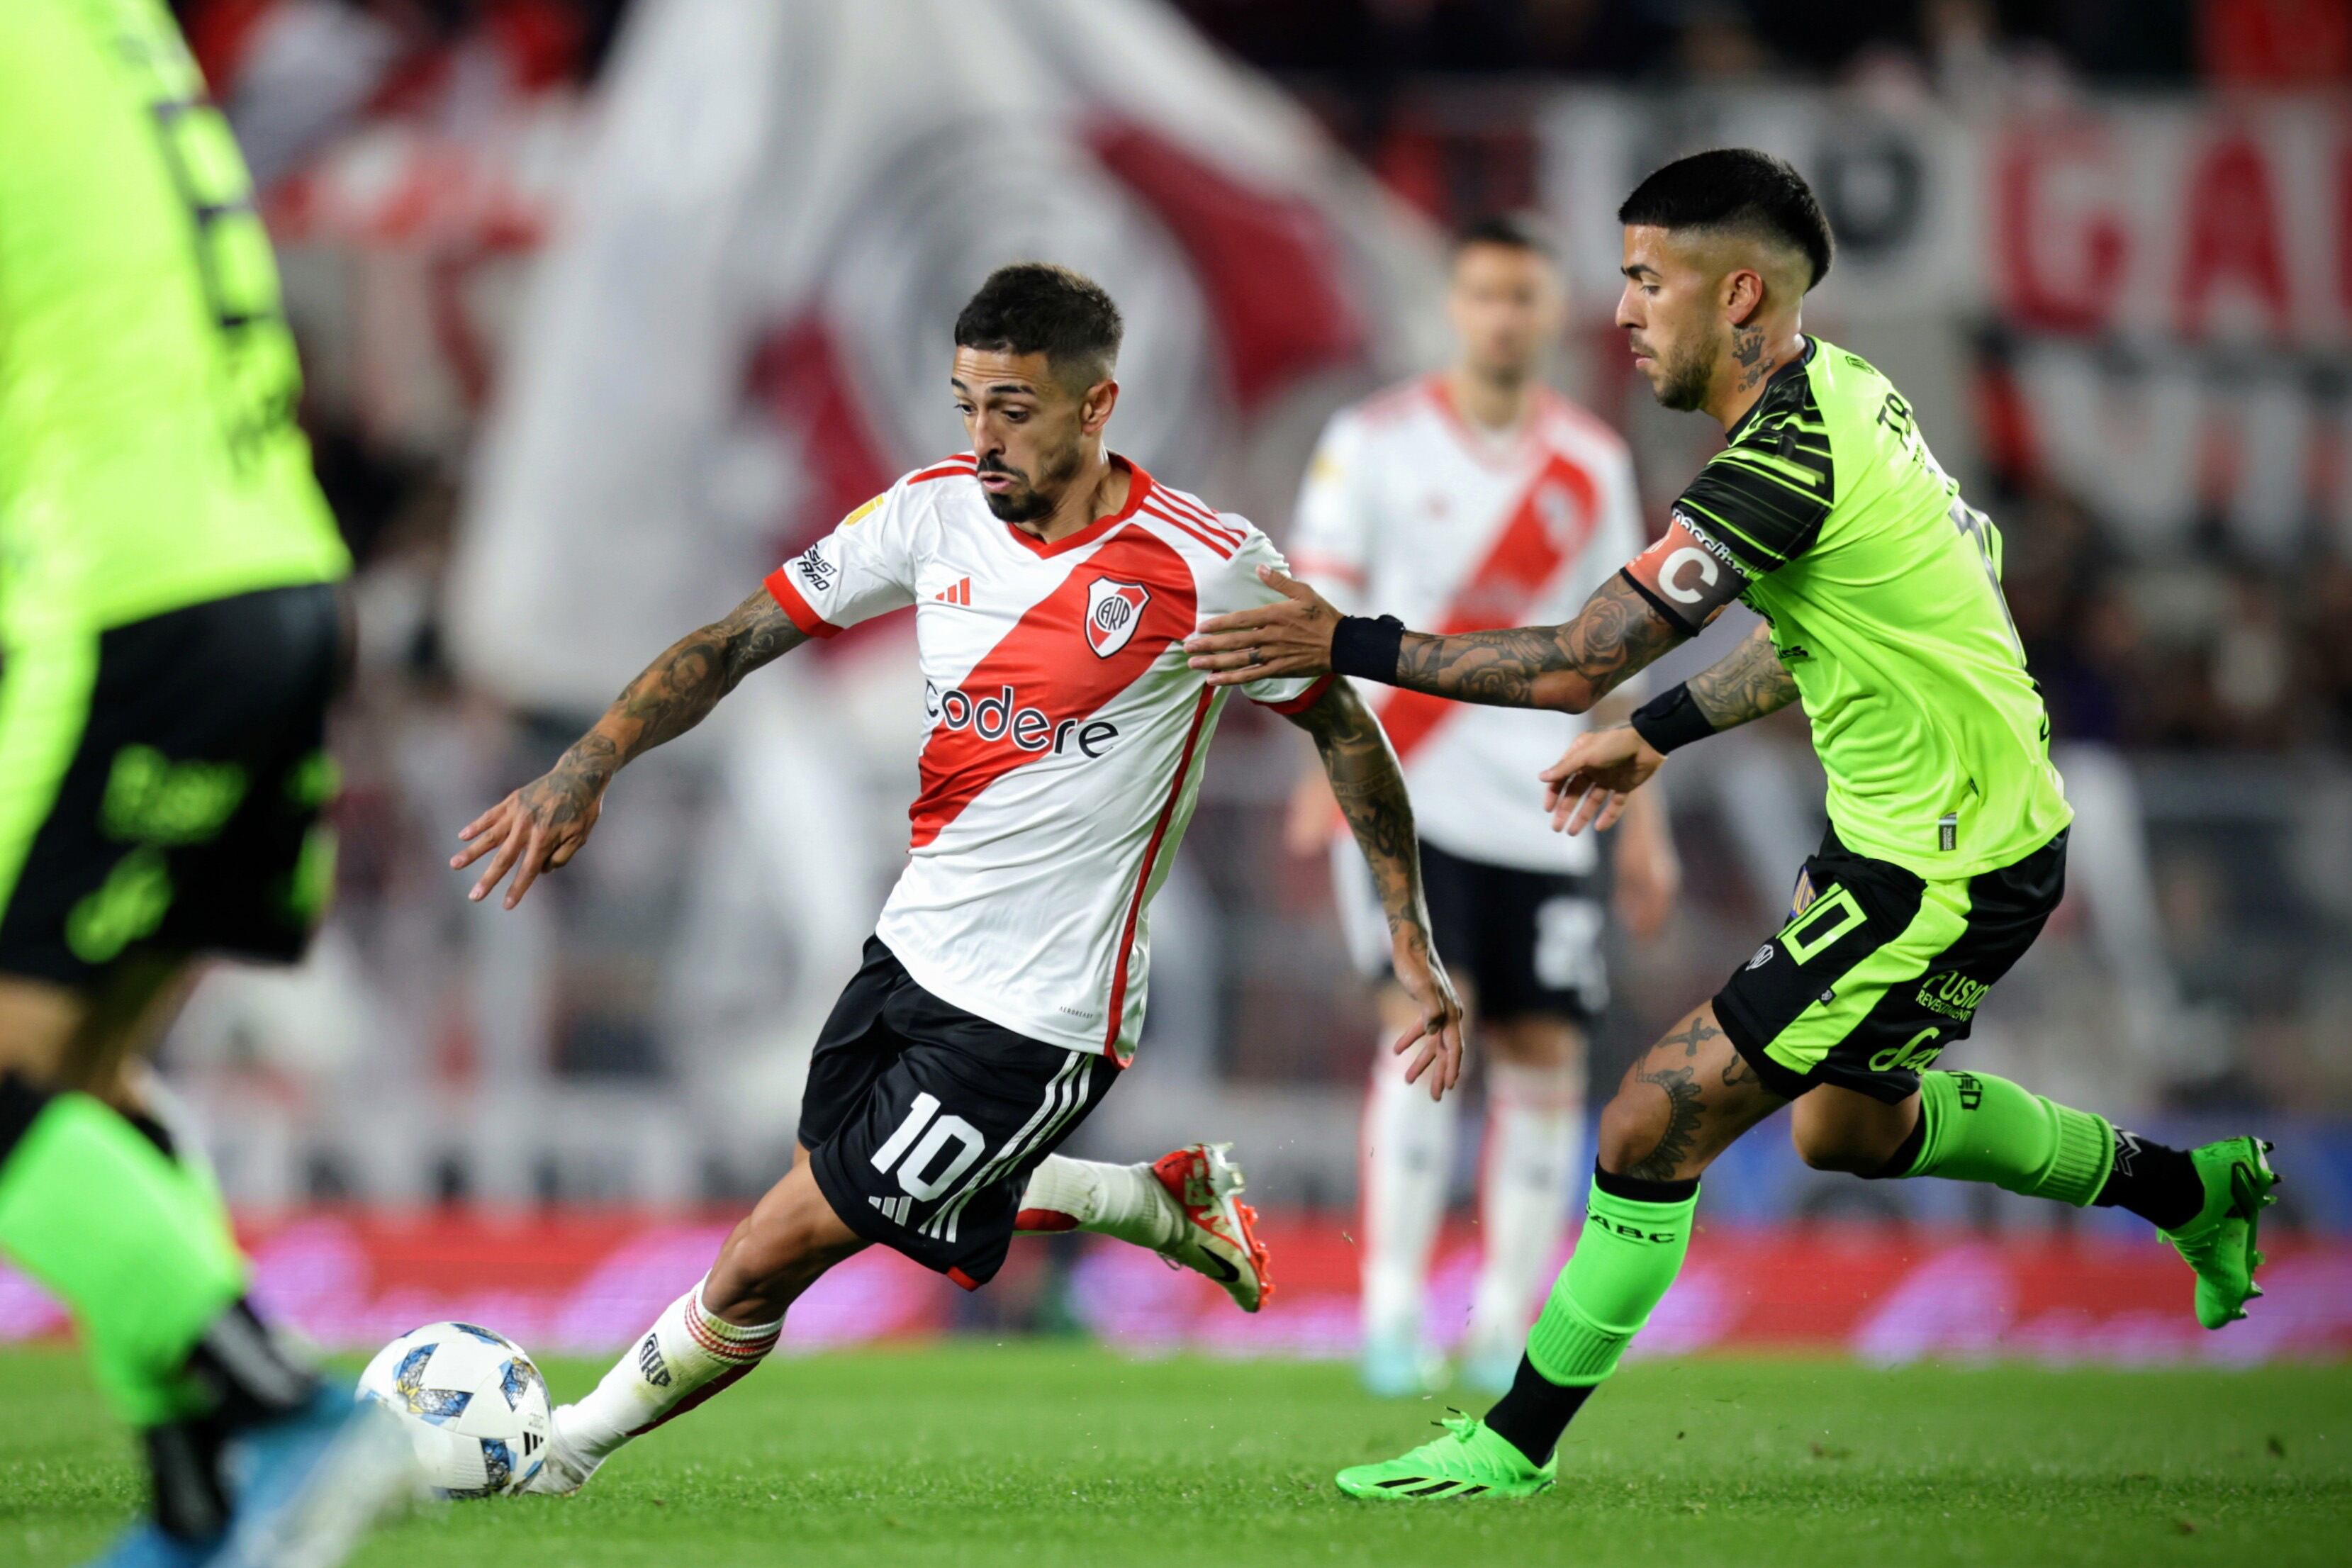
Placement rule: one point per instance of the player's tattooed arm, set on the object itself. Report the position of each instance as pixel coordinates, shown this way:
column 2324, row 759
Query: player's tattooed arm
column 1568, row 667
column 680, row 688
column 542, row 824
column 1746, row 683
column 1369, row 787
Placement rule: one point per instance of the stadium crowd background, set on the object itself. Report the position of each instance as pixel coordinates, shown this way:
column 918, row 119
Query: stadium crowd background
column 623, row 1042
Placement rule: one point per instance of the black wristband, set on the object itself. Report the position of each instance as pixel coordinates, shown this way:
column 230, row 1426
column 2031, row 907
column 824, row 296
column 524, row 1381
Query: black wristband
column 1670, row 719
column 1368, row 649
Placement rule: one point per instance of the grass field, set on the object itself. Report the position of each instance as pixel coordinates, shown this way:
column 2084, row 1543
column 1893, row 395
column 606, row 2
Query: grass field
column 1052, row 1454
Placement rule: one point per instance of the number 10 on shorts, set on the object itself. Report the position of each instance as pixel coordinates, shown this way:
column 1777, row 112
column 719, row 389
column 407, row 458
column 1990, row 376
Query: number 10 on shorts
column 927, row 1134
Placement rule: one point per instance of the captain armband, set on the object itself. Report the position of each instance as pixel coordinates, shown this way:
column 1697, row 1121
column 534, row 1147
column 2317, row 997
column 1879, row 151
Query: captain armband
column 1687, row 577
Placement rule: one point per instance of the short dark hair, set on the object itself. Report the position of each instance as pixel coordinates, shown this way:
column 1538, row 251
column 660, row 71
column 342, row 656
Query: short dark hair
column 1736, row 189
column 1035, row 307
column 1505, row 230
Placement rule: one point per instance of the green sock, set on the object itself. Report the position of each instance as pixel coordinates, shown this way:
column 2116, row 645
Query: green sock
column 98, row 1214
column 1628, row 1254
column 1975, row 1127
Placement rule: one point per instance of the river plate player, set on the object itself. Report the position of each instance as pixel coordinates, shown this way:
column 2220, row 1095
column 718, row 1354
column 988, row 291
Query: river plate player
column 1053, row 582
column 1946, row 853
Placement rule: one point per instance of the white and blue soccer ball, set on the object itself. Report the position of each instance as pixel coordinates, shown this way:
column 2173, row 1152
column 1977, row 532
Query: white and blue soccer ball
column 472, row 1403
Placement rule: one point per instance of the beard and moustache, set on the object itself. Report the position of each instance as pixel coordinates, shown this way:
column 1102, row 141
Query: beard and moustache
column 1682, row 379
column 1027, row 502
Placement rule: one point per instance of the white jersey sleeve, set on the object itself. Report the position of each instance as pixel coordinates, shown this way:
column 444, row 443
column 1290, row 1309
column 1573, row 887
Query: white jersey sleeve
column 1234, row 586
column 864, row 568
column 1331, row 536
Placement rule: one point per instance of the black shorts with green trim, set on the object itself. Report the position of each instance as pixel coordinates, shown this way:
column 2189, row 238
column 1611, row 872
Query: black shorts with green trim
column 1879, row 970
column 163, row 784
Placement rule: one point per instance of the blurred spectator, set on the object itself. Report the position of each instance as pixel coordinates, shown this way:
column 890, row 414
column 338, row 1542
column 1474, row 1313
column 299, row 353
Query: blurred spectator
column 2253, row 666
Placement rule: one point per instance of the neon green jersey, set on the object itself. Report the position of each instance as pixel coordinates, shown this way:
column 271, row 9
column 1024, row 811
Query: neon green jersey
column 1883, row 592
column 149, row 457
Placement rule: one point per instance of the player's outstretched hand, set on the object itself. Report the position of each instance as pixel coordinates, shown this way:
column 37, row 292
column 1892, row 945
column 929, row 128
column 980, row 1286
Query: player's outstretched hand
column 1588, row 786
column 1293, row 637
column 1439, row 1033
column 537, row 828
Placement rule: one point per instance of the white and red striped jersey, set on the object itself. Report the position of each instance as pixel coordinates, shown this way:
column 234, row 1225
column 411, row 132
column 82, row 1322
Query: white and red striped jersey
column 1064, row 732
column 1409, row 510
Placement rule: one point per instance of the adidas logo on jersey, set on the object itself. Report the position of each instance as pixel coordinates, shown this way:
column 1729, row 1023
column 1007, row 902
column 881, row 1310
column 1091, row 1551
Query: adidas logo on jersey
column 961, row 593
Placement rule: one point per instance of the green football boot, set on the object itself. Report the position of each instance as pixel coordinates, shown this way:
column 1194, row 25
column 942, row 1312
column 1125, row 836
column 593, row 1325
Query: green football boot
column 1468, row 1461
column 2220, row 1242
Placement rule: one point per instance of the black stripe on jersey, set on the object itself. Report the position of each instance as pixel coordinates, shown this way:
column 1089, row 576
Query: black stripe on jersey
column 1767, row 495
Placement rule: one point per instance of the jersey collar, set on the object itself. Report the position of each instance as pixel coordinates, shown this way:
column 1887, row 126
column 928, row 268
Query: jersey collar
column 1495, row 449
column 1138, row 485
column 1793, row 367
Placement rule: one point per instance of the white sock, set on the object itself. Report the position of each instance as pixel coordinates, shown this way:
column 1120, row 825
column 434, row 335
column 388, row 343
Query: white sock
column 1408, row 1144
column 1533, row 1128
column 688, row 1351
column 1123, row 1201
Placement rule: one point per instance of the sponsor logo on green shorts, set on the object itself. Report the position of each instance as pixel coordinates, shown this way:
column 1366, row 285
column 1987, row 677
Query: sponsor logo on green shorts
column 1954, row 995
column 151, row 799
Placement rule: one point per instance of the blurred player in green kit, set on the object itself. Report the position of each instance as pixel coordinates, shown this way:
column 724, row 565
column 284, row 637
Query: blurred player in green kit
column 171, row 633
column 1880, row 593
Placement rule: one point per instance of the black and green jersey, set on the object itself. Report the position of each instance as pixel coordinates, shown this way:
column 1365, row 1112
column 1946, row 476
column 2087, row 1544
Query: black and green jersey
column 149, row 457
column 1829, row 517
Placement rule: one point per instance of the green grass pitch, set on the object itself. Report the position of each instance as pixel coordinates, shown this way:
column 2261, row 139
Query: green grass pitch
column 1050, row 1454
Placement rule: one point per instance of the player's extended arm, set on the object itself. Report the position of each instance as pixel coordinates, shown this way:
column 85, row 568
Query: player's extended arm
column 1369, row 787
column 542, row 824
column 1568, row 667
column 1591, row 784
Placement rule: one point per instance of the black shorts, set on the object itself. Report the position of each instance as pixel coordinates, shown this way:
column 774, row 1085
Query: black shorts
column 163, row 785
column 923, row 1122
column 1530, row 941
column 1879, row 970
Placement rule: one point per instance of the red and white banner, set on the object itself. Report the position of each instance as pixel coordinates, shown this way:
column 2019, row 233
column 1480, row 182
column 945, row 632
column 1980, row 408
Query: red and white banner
column 584, row 1284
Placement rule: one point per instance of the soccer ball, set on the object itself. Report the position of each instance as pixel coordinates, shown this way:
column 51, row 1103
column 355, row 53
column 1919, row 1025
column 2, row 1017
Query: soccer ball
column 474, row 1406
